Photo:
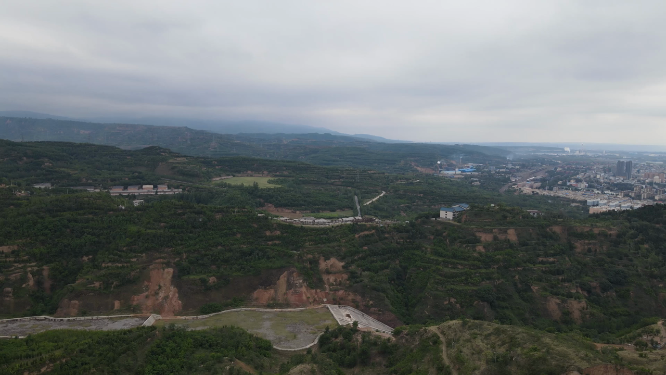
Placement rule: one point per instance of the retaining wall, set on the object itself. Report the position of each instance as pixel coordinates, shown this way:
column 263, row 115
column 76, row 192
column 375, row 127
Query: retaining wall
column 151, row 320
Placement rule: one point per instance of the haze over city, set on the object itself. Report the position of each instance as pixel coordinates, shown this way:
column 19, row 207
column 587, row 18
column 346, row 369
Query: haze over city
column 477, row 71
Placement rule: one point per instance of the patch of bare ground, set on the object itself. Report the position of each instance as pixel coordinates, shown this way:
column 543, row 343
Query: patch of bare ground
column 8, row 249
column 558, row 229
column 422, row 169
column 583, row 246
column 365, row 233
column 159, row 295
column 67, row 308
column 164, row 169
column 282, row 211
column 290, row 289
column 509, row 234
column 555, row 308
column 332, row 265
column 484, row 237
column 244, row 366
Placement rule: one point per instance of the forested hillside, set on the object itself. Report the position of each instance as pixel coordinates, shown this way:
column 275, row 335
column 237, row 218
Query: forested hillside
column 218, row 245
column 320, row 149
column 455, row 347
column 299, row 186
column 600, row 276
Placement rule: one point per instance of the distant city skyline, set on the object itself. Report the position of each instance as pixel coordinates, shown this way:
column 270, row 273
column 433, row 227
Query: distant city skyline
column 429, row 71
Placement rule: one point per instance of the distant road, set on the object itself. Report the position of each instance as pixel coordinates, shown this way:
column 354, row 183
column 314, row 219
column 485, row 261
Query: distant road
column 358, row 207
column 375, row 198
column 523, row 176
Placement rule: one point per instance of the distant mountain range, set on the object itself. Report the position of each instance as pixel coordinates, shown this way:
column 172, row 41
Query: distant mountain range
column 316, row 148
column 215, row 126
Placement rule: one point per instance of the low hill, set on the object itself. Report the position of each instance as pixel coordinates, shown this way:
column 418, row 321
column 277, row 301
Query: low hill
column 321, row 149
column 455, row 347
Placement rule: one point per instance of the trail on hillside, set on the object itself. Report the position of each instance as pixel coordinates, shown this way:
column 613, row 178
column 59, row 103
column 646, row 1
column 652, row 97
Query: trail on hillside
column 444, row 351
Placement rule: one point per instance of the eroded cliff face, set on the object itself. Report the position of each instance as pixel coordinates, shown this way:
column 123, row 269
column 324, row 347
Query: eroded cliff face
column 159, row 294
column 68, row 308
column 290, row 289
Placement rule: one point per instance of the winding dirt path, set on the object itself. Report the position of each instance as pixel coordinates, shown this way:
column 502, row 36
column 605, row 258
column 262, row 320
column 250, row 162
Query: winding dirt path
column 444, row 351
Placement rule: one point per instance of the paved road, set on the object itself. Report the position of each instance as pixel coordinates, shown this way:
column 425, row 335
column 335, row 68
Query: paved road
column 358, row 207
column 375, row 198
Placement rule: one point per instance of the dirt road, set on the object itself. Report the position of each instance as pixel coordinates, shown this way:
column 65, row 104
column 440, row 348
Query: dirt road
column 444, row 351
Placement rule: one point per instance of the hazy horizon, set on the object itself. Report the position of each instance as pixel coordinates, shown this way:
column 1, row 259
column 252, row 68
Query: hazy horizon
column 473, row 72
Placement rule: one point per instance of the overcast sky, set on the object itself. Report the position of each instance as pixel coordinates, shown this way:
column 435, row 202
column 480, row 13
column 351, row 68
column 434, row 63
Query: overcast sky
column 474, row 71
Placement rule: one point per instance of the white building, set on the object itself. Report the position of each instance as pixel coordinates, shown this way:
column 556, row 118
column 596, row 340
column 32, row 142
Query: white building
column 450, row 213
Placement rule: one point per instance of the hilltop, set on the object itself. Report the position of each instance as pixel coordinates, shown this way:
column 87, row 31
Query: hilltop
column 456, row 348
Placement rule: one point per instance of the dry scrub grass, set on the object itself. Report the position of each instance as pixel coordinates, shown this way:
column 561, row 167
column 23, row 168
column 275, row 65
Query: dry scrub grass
column 471, row 346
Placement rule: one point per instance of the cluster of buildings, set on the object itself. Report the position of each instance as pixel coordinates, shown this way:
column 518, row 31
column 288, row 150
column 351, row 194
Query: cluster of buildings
column 606, row 201
column 121, row 190
column 655, row 177
column 457, row 171
column 599, row 206
column 144, row 190
column 327, row 222
column 450, row 213
column 623, row 185
column 645, row 192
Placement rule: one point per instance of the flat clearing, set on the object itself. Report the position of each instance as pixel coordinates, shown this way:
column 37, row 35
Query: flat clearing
column 249, row 181
column 285, row 329
column 28, row 327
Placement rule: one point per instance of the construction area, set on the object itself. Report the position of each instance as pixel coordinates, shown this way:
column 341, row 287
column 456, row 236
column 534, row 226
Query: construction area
column 289, row 329
column 27, row 326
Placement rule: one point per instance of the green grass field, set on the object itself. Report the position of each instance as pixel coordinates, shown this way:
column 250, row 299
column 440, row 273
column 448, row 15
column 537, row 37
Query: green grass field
column 288, row 329
column 249, row 181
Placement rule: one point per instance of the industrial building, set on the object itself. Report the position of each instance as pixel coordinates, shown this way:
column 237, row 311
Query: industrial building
column 143, row 190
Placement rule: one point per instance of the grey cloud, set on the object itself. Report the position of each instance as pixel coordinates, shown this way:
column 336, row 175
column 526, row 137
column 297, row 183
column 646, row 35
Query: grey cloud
column 513, row 70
